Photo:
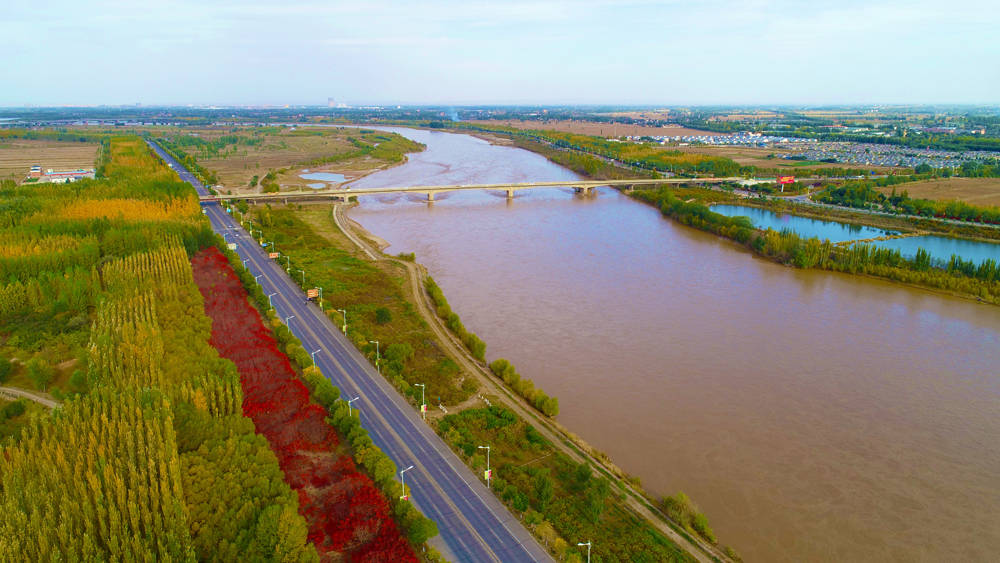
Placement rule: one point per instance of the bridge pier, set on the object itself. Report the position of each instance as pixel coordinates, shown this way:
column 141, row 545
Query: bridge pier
column 510, row 193
column 430, row 196
column 585, row 190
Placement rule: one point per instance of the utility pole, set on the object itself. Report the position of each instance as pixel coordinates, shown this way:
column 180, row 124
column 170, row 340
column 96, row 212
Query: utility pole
column 378, row 356
column 402, row 483
column 489, row 473
column 344, row 312
column 423, row 402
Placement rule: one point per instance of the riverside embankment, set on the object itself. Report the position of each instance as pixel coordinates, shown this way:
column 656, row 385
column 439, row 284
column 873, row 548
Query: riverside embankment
column 812, row 415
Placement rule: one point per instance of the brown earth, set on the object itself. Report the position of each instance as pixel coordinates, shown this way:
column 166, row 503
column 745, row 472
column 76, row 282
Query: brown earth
column 975, row 191
column 17, row 156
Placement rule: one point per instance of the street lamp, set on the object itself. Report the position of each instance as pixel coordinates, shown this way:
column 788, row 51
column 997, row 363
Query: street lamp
column 489, row 474
column 245, row 264
column 288, row 321
column 303, row 277
column 288, row 264
column 423, row 403
column 345, row 320
column 257, row 278
column 378, row 356
column 320, row 298
column 313, row 354
column 349, row 411
column 269, row 303
column 588, row 549
column 402, row 482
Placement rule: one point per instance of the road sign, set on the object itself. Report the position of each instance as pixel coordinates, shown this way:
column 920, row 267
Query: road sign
column 786, row 179
column 488, row 474
column 232, row 246
column 312, row 293
column 423, row 408
column 272, row 254
column 404, row 497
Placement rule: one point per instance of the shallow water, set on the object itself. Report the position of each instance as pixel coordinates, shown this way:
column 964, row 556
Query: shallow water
column 324, row 176
column 940, row 248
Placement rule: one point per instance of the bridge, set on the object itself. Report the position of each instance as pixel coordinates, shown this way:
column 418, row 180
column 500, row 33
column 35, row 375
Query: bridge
column 580, row 186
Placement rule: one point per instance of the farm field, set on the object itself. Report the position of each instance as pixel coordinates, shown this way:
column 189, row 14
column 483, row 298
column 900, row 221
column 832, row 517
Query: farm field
column 974, row 191
column 593, row 128
column 18, row 155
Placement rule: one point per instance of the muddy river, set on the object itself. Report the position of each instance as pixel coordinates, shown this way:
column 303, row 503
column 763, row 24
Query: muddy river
column 813, row 416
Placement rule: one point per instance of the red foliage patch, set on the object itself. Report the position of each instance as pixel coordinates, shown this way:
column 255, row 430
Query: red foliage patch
column 345, row 511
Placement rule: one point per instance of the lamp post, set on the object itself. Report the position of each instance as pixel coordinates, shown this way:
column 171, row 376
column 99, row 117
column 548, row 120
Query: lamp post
column 378, row 356
column 349, row 411
column 288, row 264
column 489, row 474
column 269, row 303
column 245, row 264
column 402, row 482
column 257, row 278
column 320, row 298
column 288, row 322
column 345, row 320
column 423, row 403
column 313, row 355
column 303, row 277
column 588, row 549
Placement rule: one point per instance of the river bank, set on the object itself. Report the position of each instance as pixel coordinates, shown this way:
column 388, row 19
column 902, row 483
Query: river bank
column 981, row 289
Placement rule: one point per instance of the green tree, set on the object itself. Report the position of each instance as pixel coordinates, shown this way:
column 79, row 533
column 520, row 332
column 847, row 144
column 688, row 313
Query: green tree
column 544, row 490
column 383, row 316
column 40, row 373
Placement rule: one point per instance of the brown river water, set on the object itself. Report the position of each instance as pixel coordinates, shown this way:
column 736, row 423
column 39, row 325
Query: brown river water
column 812, row 416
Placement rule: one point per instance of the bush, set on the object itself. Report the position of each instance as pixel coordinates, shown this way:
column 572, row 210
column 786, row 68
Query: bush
column 399, row 352
column 5, row 369
column 12, row 410
column 383, row 316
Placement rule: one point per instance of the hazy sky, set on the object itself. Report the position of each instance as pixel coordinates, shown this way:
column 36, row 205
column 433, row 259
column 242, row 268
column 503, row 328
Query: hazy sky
column 471, row 51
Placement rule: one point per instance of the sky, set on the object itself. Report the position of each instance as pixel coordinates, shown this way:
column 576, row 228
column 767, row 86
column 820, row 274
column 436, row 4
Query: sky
column 467, row 52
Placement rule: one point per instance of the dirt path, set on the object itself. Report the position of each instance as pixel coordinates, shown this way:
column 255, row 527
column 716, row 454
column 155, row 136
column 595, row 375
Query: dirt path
column 550, row 429
column 14, row 393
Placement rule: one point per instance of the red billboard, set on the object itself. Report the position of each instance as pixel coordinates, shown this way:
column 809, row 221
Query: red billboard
column 786, row 179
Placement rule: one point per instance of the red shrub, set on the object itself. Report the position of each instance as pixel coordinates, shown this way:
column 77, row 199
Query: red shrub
column 345, row 511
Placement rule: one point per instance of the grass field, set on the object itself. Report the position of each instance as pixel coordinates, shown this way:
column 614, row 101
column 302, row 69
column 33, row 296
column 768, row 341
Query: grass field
column 593, row 128
column 18, row 155
column 974, row 191
column 290, row 150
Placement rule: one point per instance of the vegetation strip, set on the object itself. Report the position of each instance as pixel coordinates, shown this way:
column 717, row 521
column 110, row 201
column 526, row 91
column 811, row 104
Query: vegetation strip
column 346, row 512
column 149, row 455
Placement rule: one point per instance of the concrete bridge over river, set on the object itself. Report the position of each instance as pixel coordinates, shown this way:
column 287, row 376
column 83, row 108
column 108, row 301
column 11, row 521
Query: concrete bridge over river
column 581, row 186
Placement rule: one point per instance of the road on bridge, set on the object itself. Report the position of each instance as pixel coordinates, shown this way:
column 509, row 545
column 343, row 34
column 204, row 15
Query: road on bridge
column 474, row 525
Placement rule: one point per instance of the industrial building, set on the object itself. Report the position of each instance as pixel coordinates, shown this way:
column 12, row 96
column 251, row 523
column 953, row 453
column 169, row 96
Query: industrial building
column 60, row 176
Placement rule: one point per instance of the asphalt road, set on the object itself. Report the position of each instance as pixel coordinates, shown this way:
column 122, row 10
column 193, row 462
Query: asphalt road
column 474, row 525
